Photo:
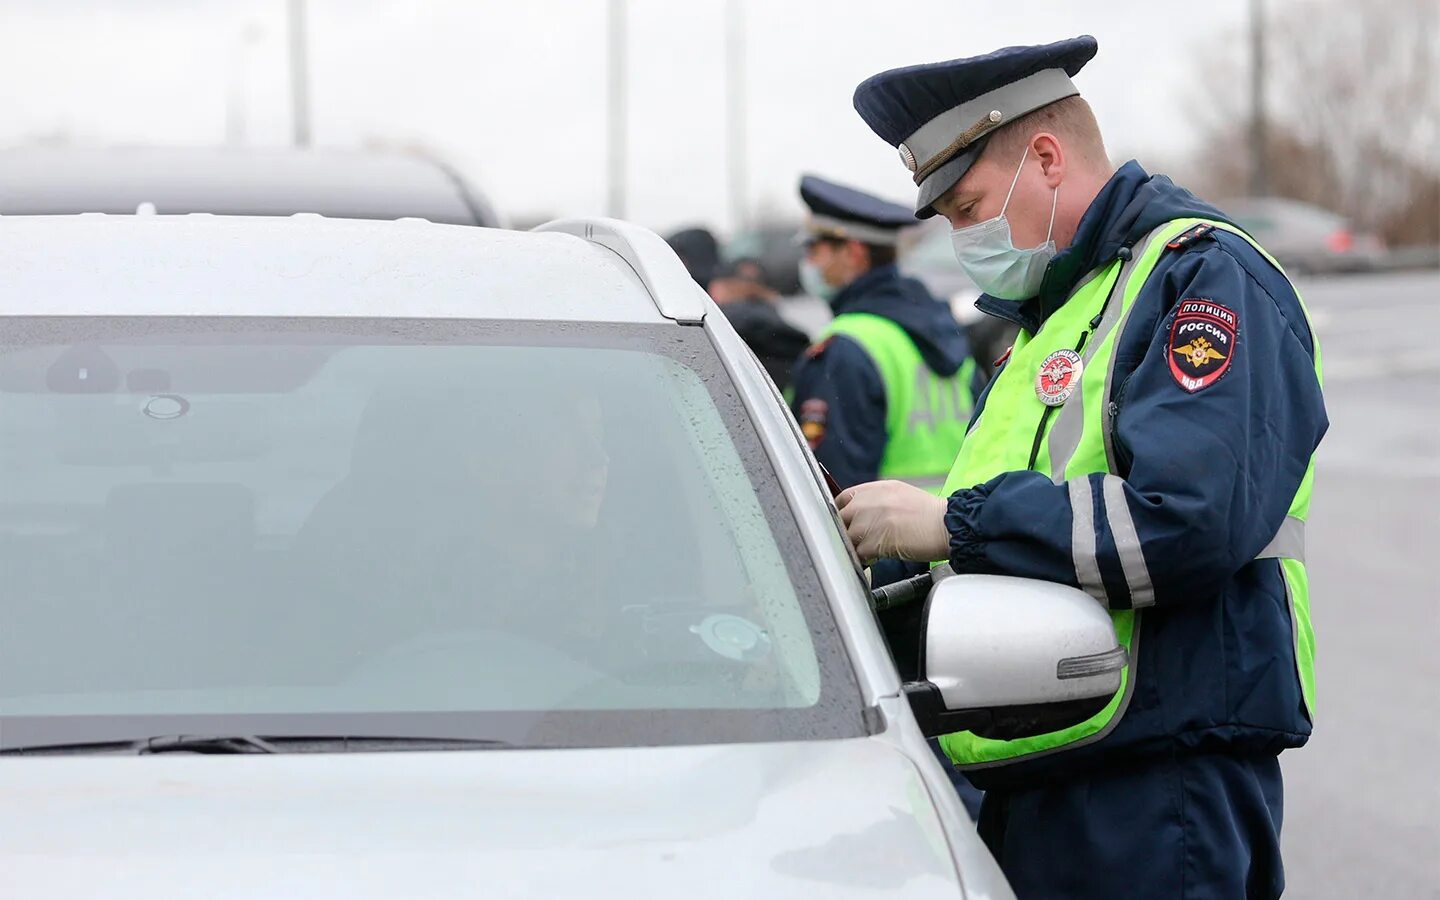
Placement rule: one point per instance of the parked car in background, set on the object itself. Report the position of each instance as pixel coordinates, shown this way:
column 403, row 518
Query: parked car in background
column 393, row 559
column 1305, row 238
column 246, row 182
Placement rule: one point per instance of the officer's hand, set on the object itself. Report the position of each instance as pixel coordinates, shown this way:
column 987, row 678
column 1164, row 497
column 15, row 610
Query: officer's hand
column 892, row 518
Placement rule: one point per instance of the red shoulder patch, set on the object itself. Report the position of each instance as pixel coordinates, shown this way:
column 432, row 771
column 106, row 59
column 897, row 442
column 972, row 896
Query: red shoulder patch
column 1190, row 236
column 815, row 350
column 1202, row 342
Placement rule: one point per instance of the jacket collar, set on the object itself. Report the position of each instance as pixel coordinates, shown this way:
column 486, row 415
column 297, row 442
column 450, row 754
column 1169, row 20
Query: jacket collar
column 856, row 292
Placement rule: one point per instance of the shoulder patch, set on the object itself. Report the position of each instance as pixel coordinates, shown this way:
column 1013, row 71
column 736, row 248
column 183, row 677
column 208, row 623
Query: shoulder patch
column 813, row 415
column 1189, row 237
column 815, row 350
column 1202, row 342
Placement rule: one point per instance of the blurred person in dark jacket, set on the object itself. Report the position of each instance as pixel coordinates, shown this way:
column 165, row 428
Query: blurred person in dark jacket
column 741, row 291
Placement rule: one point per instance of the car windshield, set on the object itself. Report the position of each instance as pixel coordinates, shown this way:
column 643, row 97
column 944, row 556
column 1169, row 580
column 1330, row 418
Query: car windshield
column 548, row 535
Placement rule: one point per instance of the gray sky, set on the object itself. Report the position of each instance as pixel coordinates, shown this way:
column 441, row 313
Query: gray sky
column 513, row 91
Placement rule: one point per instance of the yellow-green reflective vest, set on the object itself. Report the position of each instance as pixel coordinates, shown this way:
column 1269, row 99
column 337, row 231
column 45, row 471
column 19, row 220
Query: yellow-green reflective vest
column 925, row 414
column 1077, row 443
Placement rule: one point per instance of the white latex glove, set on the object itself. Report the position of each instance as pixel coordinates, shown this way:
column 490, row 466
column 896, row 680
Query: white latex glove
column 894, row 519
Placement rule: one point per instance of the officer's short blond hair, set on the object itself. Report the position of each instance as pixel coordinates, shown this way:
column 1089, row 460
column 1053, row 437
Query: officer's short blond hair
column 1070, row 119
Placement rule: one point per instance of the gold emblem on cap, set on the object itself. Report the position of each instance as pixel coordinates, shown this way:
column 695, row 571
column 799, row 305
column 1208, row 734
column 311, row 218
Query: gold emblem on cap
column 907, row 157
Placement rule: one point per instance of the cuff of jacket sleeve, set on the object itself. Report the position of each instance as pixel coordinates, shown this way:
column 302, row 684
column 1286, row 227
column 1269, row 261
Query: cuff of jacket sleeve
column 962, row 516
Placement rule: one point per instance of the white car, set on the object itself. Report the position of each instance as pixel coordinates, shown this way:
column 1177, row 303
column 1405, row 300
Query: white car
column 249, row 181
column 360, row 559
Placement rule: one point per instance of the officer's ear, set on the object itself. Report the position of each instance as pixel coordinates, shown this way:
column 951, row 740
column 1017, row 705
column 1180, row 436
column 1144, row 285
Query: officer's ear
column 1051, row 153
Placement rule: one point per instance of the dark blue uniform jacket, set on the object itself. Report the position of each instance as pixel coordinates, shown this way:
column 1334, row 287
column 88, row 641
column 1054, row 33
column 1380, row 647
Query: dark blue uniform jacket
column 1209, row 476
column 841, row 375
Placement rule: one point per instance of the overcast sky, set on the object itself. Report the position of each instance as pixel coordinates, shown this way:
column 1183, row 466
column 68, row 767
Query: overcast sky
column 513, row 91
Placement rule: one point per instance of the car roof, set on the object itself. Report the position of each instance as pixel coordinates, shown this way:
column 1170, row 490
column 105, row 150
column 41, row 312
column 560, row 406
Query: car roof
column 309, row 265
column 1282, row 206
column 233, row 181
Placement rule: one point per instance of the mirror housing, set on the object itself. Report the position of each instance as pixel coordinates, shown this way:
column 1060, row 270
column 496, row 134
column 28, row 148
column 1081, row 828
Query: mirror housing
column 1012, row 657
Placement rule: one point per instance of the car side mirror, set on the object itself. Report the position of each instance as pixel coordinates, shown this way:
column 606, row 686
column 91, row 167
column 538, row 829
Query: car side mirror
column 1013, row 657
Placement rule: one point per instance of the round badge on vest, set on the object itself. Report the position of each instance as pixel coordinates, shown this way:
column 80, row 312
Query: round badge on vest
column 1058, row 378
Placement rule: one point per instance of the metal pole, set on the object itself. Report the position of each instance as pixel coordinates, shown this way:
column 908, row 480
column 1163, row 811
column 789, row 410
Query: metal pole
column 235, row 100
column 616, row 123
column 236, row 118
column 299, row 75
column 1259, row 166
column 735, row 155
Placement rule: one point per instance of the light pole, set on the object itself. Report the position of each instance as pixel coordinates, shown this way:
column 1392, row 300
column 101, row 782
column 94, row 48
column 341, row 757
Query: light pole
column 299, row 75
column 1259, row 174
column 735, row 156
column 615, row 126
column 236, row 119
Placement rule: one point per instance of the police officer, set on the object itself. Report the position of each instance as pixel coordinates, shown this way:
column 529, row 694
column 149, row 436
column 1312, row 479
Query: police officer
column 887, row 390
column 1149, row 440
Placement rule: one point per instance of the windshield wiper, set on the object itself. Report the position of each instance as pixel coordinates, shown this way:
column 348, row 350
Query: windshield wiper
column 365, row 743
column 168, row 743
column 249, row 743
column 191, row 743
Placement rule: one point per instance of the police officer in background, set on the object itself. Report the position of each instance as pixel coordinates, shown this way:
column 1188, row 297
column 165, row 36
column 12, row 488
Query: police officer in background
column 1149, row 440
column 888, row 388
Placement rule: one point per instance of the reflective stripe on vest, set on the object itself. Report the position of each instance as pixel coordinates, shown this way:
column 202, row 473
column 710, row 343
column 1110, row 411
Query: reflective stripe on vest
column 925, row 413
column 1078, row 444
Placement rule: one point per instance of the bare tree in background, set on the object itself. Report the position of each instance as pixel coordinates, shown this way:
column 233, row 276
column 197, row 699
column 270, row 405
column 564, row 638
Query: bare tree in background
column 1353, row 100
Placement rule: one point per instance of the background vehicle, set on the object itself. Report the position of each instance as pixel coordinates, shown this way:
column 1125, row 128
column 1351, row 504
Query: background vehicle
column 519, row 508
column 250, row 182
column 1306, row 238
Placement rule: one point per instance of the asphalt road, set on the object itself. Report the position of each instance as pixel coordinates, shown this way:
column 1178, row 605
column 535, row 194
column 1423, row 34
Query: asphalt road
column 1362, row 817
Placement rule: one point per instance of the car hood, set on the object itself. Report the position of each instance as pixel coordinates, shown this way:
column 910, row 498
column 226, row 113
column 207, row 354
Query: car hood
column 827, row 818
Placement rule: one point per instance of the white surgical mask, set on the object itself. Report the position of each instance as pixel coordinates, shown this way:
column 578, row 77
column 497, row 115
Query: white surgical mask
column 991, row 259
column 814, row 283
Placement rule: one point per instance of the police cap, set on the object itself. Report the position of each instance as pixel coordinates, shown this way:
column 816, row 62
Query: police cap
column 939, row 114
column 843, row 212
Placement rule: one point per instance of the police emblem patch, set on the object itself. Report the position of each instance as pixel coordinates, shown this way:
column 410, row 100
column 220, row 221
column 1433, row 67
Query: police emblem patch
column 813, row 414
column 1202, row 343
column 1059, row 375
